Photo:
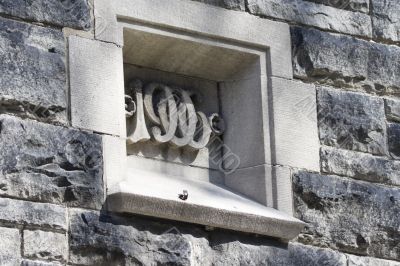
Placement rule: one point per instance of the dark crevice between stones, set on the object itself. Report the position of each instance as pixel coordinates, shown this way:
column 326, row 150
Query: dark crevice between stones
column 69, row 195
column 52, row 50
column 67, row 166
column 62, row 181
column 25, row 109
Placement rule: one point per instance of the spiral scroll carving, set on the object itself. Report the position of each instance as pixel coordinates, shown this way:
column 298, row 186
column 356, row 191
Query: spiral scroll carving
column 167, row 115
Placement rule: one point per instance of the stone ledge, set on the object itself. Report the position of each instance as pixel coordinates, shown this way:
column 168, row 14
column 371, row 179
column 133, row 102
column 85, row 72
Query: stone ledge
column 147, row 194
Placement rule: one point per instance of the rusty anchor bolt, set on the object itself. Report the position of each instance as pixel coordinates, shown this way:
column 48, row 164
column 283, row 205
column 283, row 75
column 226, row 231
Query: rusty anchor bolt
column 184, row 195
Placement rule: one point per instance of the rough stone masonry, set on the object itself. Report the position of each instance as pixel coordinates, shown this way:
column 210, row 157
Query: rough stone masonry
column 51, row 185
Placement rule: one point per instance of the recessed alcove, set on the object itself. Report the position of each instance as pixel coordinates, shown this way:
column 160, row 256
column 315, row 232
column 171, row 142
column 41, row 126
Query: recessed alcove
column 225, row 79
column 230, row 66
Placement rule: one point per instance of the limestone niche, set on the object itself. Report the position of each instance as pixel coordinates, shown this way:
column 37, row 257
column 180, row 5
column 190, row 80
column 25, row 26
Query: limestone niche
column 178, row 124
column 186, row 112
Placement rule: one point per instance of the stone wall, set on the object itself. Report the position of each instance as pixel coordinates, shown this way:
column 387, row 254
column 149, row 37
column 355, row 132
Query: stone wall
column 51, row 186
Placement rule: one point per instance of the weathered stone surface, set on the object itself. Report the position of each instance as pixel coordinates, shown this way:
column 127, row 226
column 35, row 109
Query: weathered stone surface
column 392, row 110
column 386, row 19
column 33, row 75
column 352, row 5
column 351, row 216
column 32, row 214
column 47, row 163
column 66, row 13
column 120, row 243
column 351, row 121
column 10, row 246
column 39, row 263
column 45, row 245
column 307, row 255
column 394, row 140
column 230, row 4
column 368, row 261
column 140, row 241
column 361, row 166
column 345, row 62
column 320, row 16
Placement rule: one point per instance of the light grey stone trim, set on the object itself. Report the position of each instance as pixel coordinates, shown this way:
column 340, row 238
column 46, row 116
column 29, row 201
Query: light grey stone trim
column 182, row 16
column 295, row 128
column 96, row 80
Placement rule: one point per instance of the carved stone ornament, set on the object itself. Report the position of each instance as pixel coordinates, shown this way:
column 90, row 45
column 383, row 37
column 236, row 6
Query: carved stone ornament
column 167, row 115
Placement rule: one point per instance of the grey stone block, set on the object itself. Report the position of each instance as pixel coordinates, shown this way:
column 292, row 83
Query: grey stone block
column 67, row 13
column 346, row 62
column 39, row 263
column 352, row 5
column 350, row 216
column 386, row 19
column 120, row 243
column 45, row 245
column 302, row 255
column 17, row 212
column 33, row 79
column 361, row 166
column 321, row 16
column 47, row 163
column 392, row 110
column 394, row 140
column 10, row 246
column 230, row 4
column 351, row 121
column 368, row 261
column 140, row 241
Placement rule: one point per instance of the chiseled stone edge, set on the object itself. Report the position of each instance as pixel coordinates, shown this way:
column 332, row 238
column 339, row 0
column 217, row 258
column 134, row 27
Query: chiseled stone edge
column 168, row 209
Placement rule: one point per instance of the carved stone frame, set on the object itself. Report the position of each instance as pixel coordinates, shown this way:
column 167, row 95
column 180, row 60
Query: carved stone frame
column 97, row 86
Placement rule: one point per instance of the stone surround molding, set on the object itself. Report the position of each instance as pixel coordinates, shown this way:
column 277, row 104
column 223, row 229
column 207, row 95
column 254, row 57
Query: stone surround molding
column 270, row 119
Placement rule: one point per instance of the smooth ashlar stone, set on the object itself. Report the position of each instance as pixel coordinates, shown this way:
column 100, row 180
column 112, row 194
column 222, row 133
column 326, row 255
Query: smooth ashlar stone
column 351, row 5
column 386, row 19
column 45, row 245
column 321, row 16
column 47, row 163
column 66, row 13
column 345, row 62
column 33, row 72
column 359, row 165
column 230, row 4
column 33, row 214
column 351, row 121
column 350, row 216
